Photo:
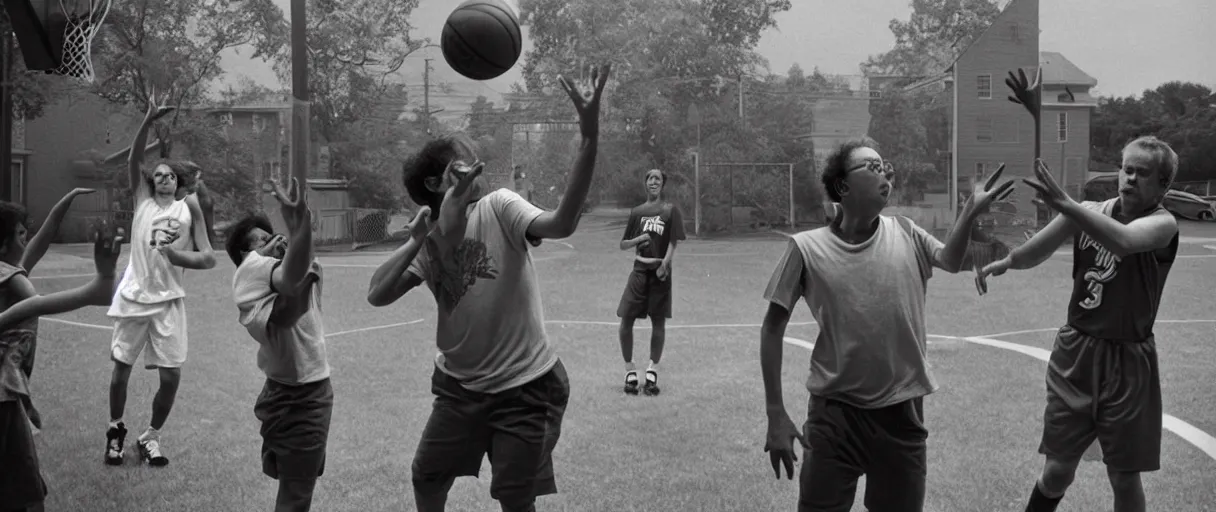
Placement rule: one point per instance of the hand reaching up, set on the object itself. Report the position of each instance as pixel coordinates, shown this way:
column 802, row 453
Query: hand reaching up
column 107, row 247
column 587, row 98
column 293, row 205
column 453, row 215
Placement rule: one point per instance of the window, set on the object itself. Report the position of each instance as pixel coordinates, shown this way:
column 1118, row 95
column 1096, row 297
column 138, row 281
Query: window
column 876, row 94
column 981, row 171
column 18, row 182
column 226, row 118
column 1062, row 127
column 1015, row 33
column 259, row 123
column 983, row 86
column 983, row 129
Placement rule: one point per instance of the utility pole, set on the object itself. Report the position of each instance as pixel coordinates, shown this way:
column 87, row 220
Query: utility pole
column 6, row 117
column 426, row 94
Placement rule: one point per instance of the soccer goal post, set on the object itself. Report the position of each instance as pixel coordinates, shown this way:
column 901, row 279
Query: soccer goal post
column 734, row 194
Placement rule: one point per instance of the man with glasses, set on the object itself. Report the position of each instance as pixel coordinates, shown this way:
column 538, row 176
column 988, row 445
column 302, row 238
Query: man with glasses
column 864, row 277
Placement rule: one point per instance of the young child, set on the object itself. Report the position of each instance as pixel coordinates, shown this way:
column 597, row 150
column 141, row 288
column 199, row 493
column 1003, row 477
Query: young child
column 277, row 289
column 21, row 484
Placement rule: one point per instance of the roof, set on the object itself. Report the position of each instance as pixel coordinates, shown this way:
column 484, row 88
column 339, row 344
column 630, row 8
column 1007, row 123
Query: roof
column 1058, row 70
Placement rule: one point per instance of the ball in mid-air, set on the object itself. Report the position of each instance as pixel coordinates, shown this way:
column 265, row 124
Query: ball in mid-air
column 481, row 39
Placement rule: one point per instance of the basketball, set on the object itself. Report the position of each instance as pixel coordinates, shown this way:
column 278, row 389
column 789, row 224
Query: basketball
column 481, row 39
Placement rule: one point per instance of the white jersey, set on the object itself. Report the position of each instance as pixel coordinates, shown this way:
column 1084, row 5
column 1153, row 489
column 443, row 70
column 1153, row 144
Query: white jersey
column 150, row 279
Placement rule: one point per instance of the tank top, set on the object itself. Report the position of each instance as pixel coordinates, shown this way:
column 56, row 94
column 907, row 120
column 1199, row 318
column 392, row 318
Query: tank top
column 150, row 279
column 1116, row 298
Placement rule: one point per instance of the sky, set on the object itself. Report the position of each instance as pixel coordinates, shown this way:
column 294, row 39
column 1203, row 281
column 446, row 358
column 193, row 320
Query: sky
column 1111, row 40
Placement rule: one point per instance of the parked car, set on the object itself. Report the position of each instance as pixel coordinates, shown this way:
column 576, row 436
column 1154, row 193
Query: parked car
column 1181, row 204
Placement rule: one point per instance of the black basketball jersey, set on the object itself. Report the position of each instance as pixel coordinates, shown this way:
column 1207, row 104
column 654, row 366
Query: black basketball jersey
column 664, row 222
column 1116, row 298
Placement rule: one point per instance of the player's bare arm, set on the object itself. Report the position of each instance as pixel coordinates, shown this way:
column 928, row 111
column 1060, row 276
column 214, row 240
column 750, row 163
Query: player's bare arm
column 135, row 157
column 289, row 277
column 204, row 257
column 641, row 240
column 950, row 258
column 782, row 431
column 107, row 247
column 1144, row 234
column 1031, row 254
column 38, row 245
column 664, row 269
column 561, row 222
column 392, row 278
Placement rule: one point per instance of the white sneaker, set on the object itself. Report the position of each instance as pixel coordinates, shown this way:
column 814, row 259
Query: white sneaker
column 149, row 451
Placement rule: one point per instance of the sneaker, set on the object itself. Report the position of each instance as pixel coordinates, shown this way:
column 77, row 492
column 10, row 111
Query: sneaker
column 115, row 437
column 631, row 383
column 651, row 387
column 149, row 451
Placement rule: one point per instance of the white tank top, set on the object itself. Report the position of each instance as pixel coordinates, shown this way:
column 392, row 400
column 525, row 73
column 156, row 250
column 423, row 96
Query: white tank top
column 150, row 279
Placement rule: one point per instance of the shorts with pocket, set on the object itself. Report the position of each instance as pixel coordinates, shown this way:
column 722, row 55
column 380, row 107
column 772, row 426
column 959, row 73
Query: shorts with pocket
column 295, row 428
column 162, row 333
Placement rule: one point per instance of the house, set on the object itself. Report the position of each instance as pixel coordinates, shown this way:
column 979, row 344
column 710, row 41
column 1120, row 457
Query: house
column 990, row 130
column 59, row 152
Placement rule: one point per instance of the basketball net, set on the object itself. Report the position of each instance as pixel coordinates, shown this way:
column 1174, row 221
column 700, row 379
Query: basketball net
column 78, row 37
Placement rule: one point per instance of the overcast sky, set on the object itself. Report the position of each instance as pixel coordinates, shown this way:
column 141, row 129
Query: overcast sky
column 1126, row 45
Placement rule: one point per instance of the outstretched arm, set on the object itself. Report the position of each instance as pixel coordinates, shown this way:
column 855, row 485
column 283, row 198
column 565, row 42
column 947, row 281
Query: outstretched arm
column 1031, row 254
column 289, row 278
column 50, row 227
column 98, row 292
column 135, row 157
column 950, row 258
column 1147, row 233
column 561, row 222
column 392, row 278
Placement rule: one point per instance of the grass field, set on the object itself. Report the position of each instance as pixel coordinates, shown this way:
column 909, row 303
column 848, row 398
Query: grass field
column 698, row 447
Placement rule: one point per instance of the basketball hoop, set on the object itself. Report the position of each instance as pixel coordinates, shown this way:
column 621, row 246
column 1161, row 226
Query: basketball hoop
column 79, row 30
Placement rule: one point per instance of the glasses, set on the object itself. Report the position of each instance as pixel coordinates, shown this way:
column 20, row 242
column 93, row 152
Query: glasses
column 161, row 176
column 877, row 167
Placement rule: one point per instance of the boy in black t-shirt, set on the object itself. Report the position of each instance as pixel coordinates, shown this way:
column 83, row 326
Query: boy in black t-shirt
column 654, row 229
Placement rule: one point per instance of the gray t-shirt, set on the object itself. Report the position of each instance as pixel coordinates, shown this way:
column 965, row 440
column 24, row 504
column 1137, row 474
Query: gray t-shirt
column 491, row 332
column 293, row 355
column 869, row 301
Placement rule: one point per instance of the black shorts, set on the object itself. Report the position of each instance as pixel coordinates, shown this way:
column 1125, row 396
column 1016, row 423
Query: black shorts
column 887, row 445
column 21, row 484
column 1104, row 390
column 517, row 428
column 295, row 428
column 645, row 295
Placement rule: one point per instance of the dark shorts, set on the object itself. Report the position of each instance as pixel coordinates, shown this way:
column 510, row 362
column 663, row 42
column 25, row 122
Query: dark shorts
column 887, row 445
column 1104, row 390
column 517, row 428
column 21, row 483
column 295, row 428
column 645, row 295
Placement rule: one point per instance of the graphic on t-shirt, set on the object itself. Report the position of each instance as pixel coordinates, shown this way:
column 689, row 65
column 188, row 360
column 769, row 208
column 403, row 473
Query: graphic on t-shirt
column 653, row 224
column 165, row 231
column 457, row 274
column 1103, row 269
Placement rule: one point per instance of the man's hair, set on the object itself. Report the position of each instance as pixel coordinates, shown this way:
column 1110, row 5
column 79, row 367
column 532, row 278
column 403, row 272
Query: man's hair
column 662, row 176
column 836, row 167
column 237, row 238
column 1164, row 157
column 185, row 172
column 429, row 162
column 11, row 216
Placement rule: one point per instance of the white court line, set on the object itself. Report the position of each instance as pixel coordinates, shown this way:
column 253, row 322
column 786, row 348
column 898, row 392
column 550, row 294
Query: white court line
column 339, row 333
column 1202, row 440
column 669, row 326
column 1212, row 247
column 1032, row 331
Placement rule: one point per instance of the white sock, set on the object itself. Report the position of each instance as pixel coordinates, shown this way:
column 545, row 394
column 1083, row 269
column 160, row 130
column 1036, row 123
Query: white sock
column 654, row 367
column 114, row 423
column 149, row 434
column 629, row 367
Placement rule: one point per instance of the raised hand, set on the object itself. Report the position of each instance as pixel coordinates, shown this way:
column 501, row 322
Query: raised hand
column 421, row 226
column 587, row 99
column 293, row 204
column 80, row 191
column 1047, row 192
column 453, row 216
column 107, row 246
column 155, row 109
column 1025, row 93
column 779, row 443
column 984, row 195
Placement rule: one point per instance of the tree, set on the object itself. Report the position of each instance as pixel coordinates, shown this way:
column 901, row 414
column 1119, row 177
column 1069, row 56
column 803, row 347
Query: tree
column 668, row 55
column 1180, row 113
column 937, row 32
column 172, row 48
